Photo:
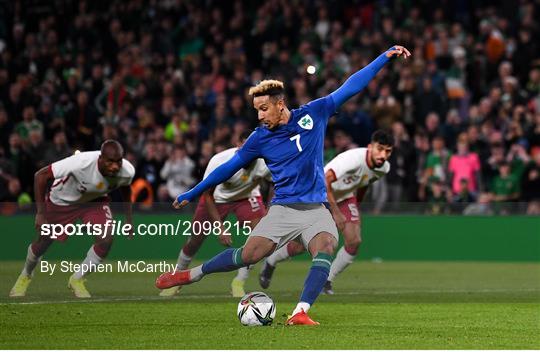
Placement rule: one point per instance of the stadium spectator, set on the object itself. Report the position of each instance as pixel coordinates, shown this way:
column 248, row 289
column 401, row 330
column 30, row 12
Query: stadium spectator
column 505, row 186
column 89, row 70
column 29, row 123
column 530, row 183
column 7, row 175
column 436, row 199
column 464, row 169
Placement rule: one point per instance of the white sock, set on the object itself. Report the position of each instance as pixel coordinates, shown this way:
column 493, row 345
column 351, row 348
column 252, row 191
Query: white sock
column 343, row 259
column 91, row 260
column 278, row 256
column 30, row 263
column 183, row 261
column 196, row 273
column 302, row 305
column 243, row 273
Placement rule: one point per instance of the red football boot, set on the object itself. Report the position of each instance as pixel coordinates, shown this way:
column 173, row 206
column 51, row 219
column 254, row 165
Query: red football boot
column 301, row 318
column 176, row 278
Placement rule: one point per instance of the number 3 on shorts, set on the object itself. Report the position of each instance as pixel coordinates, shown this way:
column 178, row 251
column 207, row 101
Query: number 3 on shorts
column 108, row 213
column 297, row 139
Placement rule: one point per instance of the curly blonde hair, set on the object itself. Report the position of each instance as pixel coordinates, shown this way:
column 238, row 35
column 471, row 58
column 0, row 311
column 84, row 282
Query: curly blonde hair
column 267, row 87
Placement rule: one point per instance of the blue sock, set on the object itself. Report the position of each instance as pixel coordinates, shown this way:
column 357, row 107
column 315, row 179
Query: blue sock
column 317, row 276
column 228, row 260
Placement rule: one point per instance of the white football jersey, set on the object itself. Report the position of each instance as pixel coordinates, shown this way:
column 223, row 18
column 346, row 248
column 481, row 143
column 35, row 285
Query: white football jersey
column 243, row 184
column 352, row 172
column 77, row 179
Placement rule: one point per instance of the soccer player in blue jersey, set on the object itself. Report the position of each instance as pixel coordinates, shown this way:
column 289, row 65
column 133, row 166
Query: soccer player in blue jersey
column 291, row 143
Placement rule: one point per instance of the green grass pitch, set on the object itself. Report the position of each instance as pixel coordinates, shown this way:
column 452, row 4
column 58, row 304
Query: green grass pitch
column 389, row 305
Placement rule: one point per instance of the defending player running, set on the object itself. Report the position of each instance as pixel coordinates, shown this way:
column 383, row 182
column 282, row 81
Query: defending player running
column 348, row 177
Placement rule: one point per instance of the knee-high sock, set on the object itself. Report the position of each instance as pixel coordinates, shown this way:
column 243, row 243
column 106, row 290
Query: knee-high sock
column 183, row 260
column 317, row 276
column 31, row 261
column 278, row 256
column 89, row 263
column 343, row 259
column 228, row 260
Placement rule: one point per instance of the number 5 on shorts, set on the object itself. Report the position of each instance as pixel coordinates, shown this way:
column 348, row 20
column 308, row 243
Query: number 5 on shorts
column 355, row 214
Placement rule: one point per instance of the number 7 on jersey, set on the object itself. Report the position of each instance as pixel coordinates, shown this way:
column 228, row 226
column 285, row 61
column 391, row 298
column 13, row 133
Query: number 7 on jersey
column 297, row 139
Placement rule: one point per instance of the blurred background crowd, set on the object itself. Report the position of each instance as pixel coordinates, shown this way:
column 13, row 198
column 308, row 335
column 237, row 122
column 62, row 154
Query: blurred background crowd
column 169, row 80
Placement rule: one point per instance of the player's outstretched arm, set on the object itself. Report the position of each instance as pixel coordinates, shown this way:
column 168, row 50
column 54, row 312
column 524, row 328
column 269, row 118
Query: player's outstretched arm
column 219, row 175
column 360, row 79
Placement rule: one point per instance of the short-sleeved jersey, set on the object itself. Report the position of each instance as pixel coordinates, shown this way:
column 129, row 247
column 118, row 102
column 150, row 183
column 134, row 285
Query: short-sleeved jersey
column 505, row 186
column 294, row 153
column 352, row 172
column 464, row 166
column 243, row 184
column 77, row 179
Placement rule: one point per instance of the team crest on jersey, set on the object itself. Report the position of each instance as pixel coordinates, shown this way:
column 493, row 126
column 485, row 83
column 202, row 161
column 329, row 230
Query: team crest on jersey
column 306, row 122
column 100, row 185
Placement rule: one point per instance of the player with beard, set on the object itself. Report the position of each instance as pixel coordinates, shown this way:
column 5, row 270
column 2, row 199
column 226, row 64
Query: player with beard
column 348, row 177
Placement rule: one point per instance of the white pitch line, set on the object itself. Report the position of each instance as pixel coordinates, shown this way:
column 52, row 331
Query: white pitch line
column 117, row 299
column 352, row 293
column 196, row 296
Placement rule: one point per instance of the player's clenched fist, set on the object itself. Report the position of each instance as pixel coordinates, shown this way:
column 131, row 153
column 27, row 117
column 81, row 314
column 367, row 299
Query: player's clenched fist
column 398, row 51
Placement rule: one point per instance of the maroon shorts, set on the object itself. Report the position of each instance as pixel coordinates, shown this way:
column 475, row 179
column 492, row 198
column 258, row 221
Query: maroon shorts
column 95, row 212
column 245, row 210
column 349, row 208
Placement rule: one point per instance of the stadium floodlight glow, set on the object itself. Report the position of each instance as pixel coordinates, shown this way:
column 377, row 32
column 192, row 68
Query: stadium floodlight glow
column 311, row 69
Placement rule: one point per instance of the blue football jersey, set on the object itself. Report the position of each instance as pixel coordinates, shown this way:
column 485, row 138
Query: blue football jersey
column 294, row 153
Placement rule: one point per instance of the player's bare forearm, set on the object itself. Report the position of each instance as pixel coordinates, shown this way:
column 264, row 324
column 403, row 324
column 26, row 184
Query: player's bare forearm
column 330, row 177
column 211, row 205
column 339, row 218
column 41, row 178
column 360, row 79
column 332, row 201
column 224, row 237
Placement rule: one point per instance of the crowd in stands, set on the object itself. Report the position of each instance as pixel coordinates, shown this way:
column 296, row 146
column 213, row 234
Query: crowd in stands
column 169, row 80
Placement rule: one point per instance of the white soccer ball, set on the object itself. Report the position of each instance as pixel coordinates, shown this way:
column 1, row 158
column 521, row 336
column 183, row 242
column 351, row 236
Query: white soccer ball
column 255, row 309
